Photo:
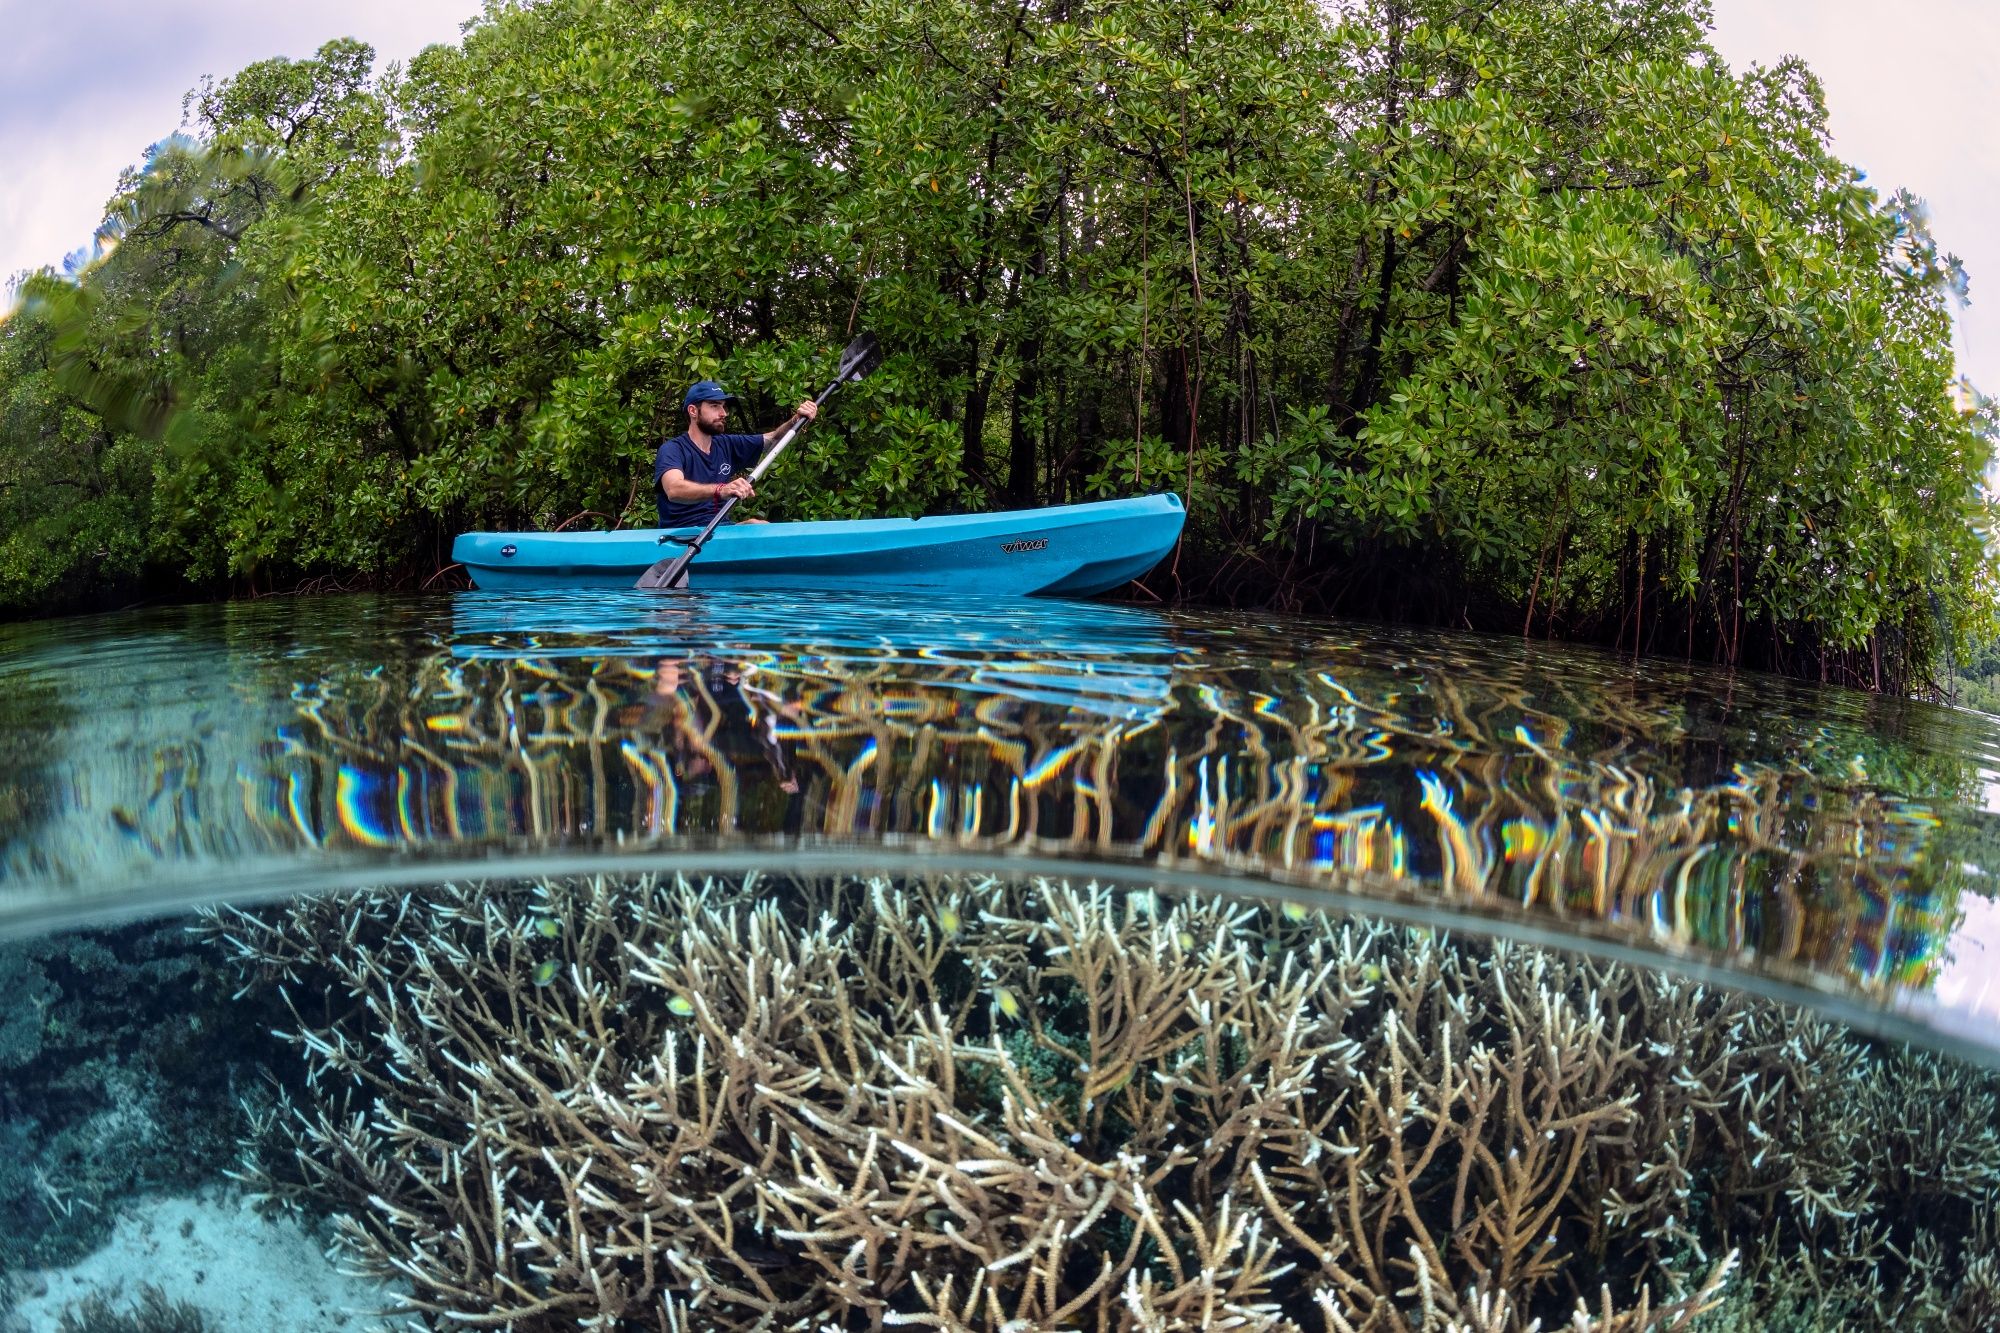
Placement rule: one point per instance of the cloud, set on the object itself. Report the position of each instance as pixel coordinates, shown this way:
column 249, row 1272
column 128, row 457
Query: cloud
column 87, row 87
column 59, row 60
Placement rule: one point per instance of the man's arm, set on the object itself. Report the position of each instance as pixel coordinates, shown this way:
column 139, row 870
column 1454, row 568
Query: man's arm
column 805, row 411
column 682, row 491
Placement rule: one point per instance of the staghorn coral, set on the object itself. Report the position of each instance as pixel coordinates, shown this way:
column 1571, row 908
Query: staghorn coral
column 982, row 1105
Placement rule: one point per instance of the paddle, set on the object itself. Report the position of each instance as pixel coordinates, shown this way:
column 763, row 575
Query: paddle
column 860, row 359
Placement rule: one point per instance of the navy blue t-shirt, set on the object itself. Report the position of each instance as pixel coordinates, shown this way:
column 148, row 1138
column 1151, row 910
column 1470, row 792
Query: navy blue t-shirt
column 728, row 456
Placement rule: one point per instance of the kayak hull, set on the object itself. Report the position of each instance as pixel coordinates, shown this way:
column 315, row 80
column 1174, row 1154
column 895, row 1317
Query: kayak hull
column 1067, row 550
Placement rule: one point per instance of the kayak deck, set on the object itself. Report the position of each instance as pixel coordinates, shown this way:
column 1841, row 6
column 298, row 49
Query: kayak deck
column 1066, row 550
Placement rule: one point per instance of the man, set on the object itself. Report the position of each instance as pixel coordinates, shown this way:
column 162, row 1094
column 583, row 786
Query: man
column 694, row 472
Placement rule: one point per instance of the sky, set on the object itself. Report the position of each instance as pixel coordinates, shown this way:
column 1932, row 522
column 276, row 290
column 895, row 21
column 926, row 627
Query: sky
column 87, row 85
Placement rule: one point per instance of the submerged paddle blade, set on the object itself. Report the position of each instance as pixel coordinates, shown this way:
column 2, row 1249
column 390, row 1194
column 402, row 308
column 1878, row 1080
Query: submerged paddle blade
column 663, row 575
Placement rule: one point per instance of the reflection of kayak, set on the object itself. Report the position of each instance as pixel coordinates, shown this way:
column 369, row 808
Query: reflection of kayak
column 1069, row 550
column 847, row 625
column 1101, row 658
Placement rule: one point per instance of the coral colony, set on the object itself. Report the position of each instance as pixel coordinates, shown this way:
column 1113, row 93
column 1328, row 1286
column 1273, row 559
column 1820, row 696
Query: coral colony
column 979, row 1104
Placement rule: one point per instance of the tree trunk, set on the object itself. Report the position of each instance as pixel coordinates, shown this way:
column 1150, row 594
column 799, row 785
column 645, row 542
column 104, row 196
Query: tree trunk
column 1020, row 440
column 1176, row 420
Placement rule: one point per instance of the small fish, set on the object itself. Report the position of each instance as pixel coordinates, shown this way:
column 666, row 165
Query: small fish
column 948, row 920
column 681, row 1005
column 1371, row 972
column 1295, row 911
column 1186, row 940
column 761, row 1256
column 1009, row 1004
column 547, row 927
column 937, row 1217
column 545, row 971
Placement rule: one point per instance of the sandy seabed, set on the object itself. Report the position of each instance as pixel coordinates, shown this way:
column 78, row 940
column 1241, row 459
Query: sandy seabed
column 243, row 1272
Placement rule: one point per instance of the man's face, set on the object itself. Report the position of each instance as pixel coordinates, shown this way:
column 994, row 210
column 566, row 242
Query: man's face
column 711, row 417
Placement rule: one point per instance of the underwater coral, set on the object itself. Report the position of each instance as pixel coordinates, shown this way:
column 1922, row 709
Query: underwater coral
column 985, row 1104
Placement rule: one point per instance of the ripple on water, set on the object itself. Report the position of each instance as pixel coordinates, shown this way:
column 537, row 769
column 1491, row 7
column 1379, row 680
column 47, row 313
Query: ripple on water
column 1815, row 842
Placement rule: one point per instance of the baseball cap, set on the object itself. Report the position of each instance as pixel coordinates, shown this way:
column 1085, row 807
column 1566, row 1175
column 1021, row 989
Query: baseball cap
column 707, row 391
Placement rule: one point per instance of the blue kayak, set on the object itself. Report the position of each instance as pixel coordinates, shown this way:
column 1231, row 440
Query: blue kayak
column 1068, row 550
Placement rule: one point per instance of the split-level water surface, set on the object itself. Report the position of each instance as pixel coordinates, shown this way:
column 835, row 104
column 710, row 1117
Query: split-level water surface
column 783, row 962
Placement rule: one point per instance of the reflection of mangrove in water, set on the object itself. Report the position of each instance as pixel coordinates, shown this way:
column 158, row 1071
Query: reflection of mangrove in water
column 970, row 1104
column 1424, row 781
column 27, row 742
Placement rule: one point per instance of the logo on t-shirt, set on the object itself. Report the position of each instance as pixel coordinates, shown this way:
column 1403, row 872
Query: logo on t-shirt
column 725, row 469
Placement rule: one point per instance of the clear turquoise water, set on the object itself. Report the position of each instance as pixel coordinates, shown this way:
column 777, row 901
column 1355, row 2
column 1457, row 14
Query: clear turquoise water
column 205, row 812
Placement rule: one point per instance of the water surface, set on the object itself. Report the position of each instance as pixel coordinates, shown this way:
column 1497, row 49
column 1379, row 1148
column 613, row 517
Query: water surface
column 667, row 962
column 1820, row 840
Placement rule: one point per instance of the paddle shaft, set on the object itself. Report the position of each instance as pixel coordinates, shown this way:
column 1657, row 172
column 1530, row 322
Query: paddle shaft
column 680, row 562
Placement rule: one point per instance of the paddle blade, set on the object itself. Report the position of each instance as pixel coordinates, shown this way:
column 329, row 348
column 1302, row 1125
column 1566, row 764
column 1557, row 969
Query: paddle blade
column 670, row 573
column 860, row 359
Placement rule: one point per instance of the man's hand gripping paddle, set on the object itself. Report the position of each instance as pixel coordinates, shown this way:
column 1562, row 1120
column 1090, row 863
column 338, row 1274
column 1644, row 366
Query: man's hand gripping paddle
column 860, row 359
